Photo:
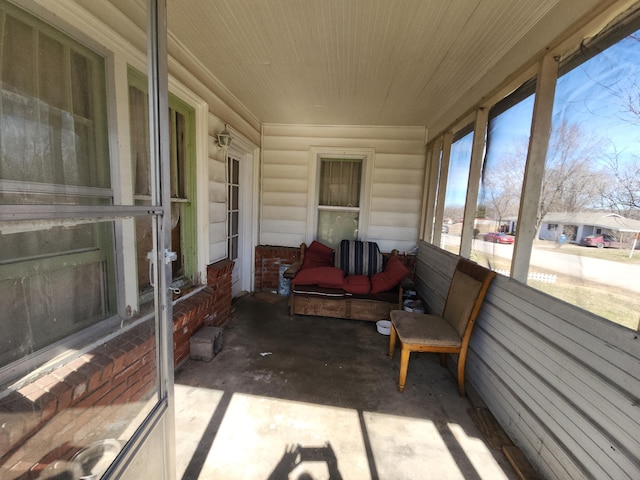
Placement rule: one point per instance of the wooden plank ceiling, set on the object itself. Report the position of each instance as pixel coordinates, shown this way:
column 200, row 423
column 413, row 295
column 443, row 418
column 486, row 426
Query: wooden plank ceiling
column 347, row 62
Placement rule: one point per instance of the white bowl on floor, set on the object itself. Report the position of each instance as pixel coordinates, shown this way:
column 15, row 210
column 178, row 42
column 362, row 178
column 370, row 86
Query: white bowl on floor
column 384, row 327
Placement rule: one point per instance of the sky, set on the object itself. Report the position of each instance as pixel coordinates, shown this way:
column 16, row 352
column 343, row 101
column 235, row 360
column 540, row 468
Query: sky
column 592, row 95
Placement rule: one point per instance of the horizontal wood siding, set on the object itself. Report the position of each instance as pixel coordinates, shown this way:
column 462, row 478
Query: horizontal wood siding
column 396, row 192
column 563, row 383
column 217, row 195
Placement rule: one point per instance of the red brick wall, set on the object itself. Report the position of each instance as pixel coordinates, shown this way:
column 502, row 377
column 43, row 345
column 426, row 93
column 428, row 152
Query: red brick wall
column 267, row 266
column 219, row 279
column 87, row 399
column 94, row 396
column 209, row 307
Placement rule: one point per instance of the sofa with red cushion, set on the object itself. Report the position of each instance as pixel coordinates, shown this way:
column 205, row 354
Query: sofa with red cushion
column 356, row 281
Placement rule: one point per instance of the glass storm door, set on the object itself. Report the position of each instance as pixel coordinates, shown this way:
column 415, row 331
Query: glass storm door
column 86, row 369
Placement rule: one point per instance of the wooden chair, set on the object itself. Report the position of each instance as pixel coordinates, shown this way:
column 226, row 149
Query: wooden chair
column 448, row 333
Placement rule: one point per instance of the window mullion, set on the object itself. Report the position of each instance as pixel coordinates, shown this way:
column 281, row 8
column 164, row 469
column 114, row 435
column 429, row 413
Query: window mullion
column 473, row 185
column 442, row 185
column 534, row 169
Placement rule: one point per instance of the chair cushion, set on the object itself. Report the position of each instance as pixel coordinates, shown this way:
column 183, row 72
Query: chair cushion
column 326, row 276
column 356, row 257
column 394, row 272
column 463, row 293
column 317, row 255
column 357, row 284
column 424, row 329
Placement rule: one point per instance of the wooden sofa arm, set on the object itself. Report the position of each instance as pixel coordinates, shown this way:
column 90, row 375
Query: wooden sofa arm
column 291, row 272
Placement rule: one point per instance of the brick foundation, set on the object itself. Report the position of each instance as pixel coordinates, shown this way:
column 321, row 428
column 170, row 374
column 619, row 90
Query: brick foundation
column 267, row 264
column 210, row 307
column 99, row 394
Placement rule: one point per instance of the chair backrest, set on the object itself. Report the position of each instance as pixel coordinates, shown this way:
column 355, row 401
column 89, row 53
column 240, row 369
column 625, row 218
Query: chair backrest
column 468, row 288
column 356, row 257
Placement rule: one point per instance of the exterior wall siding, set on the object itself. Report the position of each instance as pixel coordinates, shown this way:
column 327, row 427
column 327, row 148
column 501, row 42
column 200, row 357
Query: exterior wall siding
column 396, row 191
column 217, row 194
column 563, row 383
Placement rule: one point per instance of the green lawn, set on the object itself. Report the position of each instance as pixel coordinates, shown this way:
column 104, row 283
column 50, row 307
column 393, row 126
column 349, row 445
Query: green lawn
column 615, row 304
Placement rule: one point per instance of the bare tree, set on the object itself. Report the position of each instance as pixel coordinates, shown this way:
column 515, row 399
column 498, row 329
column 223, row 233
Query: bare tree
column 619, row 188
column 570, row 182
column 501, row 187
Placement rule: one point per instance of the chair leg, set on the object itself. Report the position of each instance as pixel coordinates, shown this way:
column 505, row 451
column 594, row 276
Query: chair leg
column 442, row 358
column 404, row 365
column 392, row 341
column 462, row 359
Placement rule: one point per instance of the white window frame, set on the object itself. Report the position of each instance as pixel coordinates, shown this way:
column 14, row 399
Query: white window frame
column 367, row 156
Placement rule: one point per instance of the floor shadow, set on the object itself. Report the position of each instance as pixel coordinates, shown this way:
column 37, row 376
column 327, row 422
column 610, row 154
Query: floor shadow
column 206, row 441
column 367, row 446
column 296, row 455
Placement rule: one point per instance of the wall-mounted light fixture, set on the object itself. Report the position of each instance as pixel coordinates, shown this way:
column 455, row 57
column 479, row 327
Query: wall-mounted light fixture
column 224, row 138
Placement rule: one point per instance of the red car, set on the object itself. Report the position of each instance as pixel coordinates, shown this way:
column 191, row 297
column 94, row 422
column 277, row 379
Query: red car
column 600, row 241
column 497, row 237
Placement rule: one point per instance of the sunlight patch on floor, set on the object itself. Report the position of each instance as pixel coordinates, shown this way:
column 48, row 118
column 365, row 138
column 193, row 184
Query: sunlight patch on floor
column 261, row 437
column 478, row 454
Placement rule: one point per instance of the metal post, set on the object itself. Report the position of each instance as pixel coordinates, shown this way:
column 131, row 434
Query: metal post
column 161, row 196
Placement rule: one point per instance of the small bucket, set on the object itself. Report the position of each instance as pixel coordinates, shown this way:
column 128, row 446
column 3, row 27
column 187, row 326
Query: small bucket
column 284, row 284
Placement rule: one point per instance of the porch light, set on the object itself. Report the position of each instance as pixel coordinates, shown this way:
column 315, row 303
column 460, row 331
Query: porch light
column 225, row 138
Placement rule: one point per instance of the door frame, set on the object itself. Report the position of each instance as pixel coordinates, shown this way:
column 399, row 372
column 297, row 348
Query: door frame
column 246, row 152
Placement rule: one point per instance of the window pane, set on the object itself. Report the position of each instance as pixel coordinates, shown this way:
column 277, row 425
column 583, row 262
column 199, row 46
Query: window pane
column 54, row 283
column 233, row 247
column 19, row 48
column 233, row 223
column 52, row 80
column 139, row 126
column 60, row 147
column 501, row 186
column 81, row 85
column 101, row 374
column 234, row 197
column 340, row 182
column 178, row 152
column 334, row 226
column 234, row 171
column 456, row 192
column 590, row 188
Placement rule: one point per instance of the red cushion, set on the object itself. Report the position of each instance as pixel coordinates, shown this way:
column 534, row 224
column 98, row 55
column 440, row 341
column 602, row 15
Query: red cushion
column 357, row 284
column 328, row 276
column 317, row 255
column 394, row 272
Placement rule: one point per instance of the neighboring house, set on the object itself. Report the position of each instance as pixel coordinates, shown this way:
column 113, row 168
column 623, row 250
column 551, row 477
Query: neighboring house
column 578, row 225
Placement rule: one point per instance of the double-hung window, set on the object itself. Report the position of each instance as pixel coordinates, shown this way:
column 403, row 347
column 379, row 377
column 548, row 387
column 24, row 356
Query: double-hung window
column 339, row 198
column 181, row 141
column 57, row 275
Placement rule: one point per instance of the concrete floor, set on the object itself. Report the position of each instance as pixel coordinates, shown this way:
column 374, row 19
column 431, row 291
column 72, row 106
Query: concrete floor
column 316, row 398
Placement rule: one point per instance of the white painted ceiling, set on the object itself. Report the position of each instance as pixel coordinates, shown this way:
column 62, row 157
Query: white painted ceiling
column 358, row 62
